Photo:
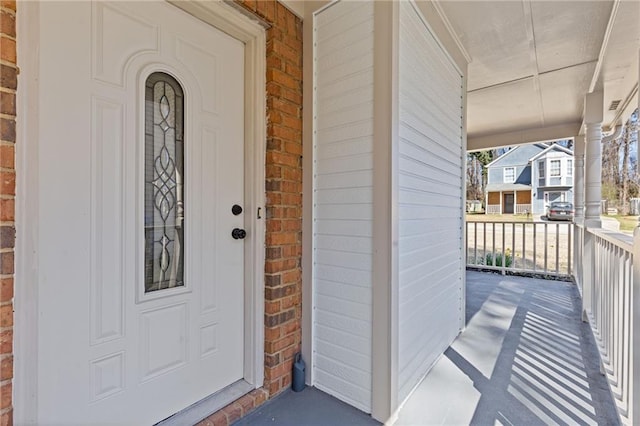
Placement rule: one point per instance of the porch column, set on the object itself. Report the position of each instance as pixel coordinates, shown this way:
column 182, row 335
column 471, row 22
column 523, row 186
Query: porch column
column 593, row 114
column 578, row 178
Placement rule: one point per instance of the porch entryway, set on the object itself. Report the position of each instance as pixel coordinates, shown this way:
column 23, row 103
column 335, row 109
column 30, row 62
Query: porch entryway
column 525, row 358
column 508, row 202
column 143, row 270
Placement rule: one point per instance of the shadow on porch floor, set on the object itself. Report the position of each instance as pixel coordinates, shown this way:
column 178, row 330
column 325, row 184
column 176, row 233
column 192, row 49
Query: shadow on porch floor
column 525, row 358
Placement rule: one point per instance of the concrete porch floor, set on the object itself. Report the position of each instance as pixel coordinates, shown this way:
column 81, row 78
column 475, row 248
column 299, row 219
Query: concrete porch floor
column 525, row 358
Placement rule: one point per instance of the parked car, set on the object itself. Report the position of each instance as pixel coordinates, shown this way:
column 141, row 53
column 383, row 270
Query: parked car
column 560, row 210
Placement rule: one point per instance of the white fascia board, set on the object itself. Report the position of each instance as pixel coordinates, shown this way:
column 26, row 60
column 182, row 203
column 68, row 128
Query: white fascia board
column 523, row 136
column 506, row 154
column 554, row 147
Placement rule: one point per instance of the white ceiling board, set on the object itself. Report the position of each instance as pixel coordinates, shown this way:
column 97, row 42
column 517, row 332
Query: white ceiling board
column 494, row 34
column 563, row 93
column 533, row 61
column 568, row 33
column 504, row 108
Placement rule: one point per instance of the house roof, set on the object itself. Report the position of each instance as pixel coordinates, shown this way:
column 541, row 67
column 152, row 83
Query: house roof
column 494, row 187
column 554, row 147
column 542, row 146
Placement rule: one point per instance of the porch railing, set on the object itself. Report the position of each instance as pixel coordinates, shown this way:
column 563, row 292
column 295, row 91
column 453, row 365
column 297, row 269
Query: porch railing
column 519, row 208
column 606, row 276
column 493, row 209
column 532, row 247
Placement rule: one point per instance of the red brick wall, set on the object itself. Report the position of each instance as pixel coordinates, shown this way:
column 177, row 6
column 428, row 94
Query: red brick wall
column 283, row 276
column 8, row 86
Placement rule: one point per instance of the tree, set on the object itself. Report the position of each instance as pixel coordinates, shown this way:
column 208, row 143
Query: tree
column 620, row 166
column 629, row 136
column 474, row 178
column 626, row 140
column 477, row 173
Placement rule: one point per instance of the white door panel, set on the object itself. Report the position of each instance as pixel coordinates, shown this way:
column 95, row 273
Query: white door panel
column 108, row 351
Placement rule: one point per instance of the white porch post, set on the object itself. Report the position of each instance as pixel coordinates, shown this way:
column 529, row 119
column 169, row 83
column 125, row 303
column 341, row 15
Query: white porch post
column 578, row 200
column 593, row 115
column 578, row 178
column 486, row 201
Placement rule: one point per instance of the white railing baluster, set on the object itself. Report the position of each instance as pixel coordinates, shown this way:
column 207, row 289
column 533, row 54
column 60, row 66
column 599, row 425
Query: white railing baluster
column 484, row 247
column 503, row 262
column 569, row 241
column 466, row 242
column 535, row 241
column 493, row 241
column 524, row 245
column 546, row 246
column 475, row 243
column 513, row 245
column 557, row 248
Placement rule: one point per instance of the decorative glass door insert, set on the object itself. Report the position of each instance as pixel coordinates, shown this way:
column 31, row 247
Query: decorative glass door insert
column 164, row 183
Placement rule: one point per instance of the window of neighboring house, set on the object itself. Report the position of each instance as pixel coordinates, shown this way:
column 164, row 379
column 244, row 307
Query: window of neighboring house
column 541, row 169
column 554, row 168
column 509, row 174
column 569, row 168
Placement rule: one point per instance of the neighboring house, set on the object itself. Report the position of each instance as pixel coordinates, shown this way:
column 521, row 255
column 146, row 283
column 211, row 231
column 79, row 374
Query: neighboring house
column 529, row 177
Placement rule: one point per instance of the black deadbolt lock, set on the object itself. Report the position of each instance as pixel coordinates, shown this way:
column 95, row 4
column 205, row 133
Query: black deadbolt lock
column 236, row 210
column 238, row 234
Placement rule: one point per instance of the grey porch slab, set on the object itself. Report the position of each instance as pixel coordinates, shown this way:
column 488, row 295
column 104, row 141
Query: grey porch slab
column 310, row 407
column 525, row 358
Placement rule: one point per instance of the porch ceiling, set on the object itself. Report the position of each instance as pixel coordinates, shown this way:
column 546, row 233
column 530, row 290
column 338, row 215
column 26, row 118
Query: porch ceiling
column 532, row 62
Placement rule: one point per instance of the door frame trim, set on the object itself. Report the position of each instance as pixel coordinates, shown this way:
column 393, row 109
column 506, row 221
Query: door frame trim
column 234, row 23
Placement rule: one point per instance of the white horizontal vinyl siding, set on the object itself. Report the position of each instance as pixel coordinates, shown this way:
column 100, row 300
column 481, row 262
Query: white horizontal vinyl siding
column 430, row 200
column 343, row 180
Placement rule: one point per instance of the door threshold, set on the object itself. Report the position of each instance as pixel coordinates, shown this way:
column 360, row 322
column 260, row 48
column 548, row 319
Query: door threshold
column 208, row 405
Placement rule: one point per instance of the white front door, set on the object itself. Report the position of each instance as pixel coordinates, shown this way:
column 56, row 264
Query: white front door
column 141, row 161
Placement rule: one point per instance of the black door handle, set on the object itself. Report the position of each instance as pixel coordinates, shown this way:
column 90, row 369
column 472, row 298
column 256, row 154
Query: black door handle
column 238, row 234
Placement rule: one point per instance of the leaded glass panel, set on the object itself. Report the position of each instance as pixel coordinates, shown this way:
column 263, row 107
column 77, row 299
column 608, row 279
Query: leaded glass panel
column 164, row 183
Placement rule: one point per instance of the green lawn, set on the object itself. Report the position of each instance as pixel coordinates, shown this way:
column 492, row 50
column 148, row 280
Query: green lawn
column 627, row 223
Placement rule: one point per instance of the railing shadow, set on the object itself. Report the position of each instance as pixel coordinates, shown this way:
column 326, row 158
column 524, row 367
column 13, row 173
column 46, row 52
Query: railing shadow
column 547, row 368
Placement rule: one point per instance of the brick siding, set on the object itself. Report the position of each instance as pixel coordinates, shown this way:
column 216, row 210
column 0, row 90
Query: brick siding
column 8, row 86
column 283, row 275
